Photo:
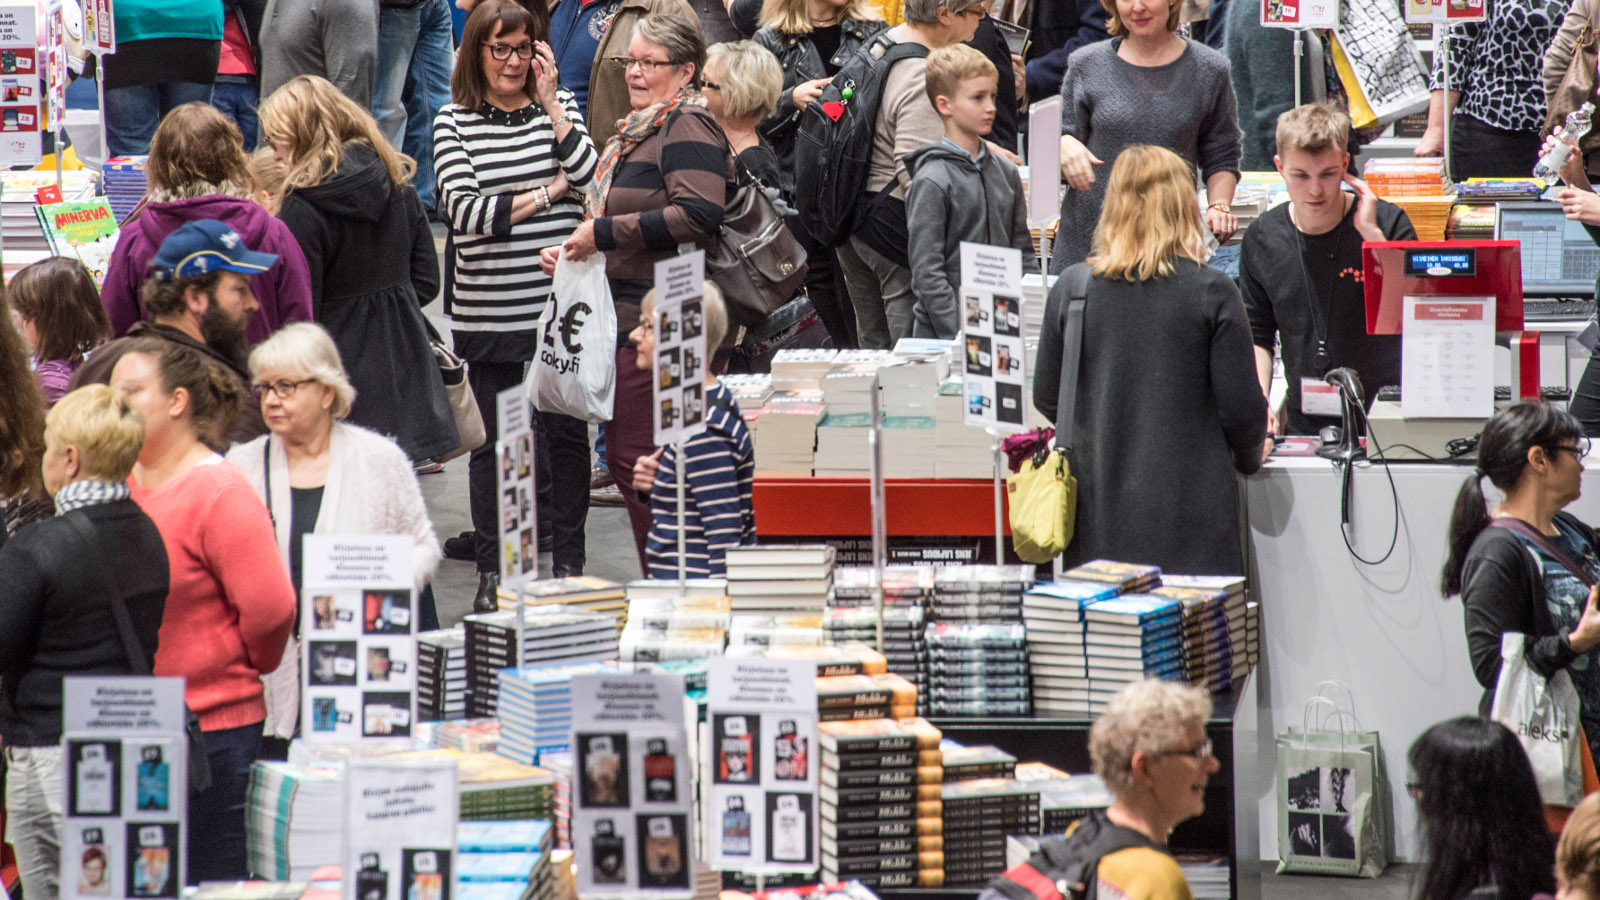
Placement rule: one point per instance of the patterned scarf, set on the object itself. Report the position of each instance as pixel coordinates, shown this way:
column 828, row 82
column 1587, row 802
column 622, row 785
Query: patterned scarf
column 631, row 132
column 89, row 493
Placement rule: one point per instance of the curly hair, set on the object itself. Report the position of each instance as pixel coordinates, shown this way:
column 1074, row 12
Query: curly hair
column 1147, row 716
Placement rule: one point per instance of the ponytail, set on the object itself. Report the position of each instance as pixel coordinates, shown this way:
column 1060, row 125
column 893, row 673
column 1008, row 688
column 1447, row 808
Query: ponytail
column 214, row 394
column 1502, row 458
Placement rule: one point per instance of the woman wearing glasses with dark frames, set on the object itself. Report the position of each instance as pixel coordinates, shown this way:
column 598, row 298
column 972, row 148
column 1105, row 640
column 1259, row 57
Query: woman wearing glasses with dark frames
column 1524, row 565
column 513, row 156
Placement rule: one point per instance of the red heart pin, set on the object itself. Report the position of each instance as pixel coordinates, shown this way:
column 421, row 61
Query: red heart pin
column 833, row 109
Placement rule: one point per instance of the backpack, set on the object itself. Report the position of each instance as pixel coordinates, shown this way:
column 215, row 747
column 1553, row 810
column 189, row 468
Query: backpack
column 833, row 147
column 1065, row 868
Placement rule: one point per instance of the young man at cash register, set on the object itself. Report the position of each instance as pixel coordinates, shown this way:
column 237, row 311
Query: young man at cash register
column 1300, row 272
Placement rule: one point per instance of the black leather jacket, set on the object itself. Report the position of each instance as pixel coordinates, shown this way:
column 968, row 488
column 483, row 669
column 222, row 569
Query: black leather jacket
column 801, row 62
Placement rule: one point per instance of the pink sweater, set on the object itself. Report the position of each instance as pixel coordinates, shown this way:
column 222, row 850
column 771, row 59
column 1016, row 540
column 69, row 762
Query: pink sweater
column 231, row 605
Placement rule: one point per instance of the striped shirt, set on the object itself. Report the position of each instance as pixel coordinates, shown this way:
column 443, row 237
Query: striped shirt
column 484, row 158
column 719, row 465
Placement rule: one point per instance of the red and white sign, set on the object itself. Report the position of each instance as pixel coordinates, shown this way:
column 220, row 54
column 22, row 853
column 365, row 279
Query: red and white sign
column 1299, row 13
column 1447, row 358
column 19, row 84
column 99, row 27
column 1448, row 12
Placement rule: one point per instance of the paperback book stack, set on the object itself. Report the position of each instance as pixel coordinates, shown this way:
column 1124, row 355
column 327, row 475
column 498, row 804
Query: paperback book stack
column 1243, row 617
column 909, row 384
column 24, row 237
column 751, row 633
column 496, row 788
column 850, row 659
column 551, row 636
column 467, row 735
column 536, row 708
column 880, row 807
column 1053, row 613
column 978, row 814
column 766, row 578
column 978, row 669
column 801, row 369
column 1130, row 638
column 293, row 816
column 980, row 593
column 843, row 450
column 845, row 698
column 442, row 674
column 1207, row 647
column 847, row 386
column 581, row 591
column 664, row 627
column 902, row 586
column 751, row 393
column 1127, row 578
column 560, row 767
column 908, row 446
column 125, row 183
column 1064, row 798
column 905, row 643
column 966, row 763
column 785, row 442
column 513, row 854
column 959, row 450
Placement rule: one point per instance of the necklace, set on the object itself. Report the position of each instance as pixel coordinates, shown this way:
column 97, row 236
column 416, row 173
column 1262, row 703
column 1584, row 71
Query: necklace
column 1321, row 306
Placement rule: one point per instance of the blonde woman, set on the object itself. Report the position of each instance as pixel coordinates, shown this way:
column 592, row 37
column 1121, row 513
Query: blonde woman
column 743, row 84
column 1167, row 373
column 347, row 200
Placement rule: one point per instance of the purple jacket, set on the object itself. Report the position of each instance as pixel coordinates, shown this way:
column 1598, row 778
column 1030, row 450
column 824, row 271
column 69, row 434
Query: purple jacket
column 284, row 292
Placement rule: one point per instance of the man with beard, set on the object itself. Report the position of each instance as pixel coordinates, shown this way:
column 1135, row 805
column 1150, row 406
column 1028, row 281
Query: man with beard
column 198, row 294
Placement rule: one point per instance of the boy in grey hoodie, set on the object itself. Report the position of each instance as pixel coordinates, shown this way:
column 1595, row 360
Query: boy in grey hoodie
column 959, row 190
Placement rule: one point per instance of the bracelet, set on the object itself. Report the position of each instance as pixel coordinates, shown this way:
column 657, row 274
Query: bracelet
column 546, row 192
column 1225, row 207
column 566, row 119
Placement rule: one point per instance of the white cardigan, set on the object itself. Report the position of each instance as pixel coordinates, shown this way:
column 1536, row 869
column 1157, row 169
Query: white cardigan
column 371, row 489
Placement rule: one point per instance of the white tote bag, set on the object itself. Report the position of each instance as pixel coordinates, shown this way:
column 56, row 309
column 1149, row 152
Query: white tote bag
column 575, row 369
column 1543, row 714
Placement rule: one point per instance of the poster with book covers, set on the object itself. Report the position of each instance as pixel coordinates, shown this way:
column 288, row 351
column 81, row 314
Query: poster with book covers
column 125, row 788
column 678, row 395
column 761, row 786
column 400, row 820
column 991, row 344
column 516, row 499
column 358, row 665
column 632, row 804
column 21, row 88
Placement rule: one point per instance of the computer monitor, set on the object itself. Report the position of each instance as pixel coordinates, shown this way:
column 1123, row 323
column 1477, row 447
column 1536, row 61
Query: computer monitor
column 1394, row 270
column 1559, row 259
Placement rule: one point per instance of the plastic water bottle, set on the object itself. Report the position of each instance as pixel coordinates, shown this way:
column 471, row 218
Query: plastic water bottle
column 1548, row 171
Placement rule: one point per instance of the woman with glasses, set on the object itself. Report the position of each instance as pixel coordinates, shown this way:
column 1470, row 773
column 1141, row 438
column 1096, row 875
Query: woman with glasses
column 1150, row 748
column 678, row 176
column 1483, row 831
column 1503, row 562
column 513, row 157
column 321, row 475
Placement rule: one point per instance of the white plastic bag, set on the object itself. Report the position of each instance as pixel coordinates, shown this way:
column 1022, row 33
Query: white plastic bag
column 1543, row 714
column 575, row 369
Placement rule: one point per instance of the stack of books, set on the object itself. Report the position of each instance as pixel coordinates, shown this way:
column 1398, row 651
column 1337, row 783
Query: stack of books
column 966, row 659
column 1053, row 613
column 908, row 446
column 1420, row 186
column 495, row 788
column 467, row 735
column 581, row 591
column 909, row 384
column 1130, row 638
column 560, row 767
column 553, row 635
column 786, row 440
column 843, row 449
column 966, row 763
column 801, row 369
column 1493, row 190
column 755, row 632
column 902, row 586
column 751, row 393
column 536, row 708
column 1207, row 657
column 442, row 674
column 850, row 659
column 959, row 450
column 847, row 387
column 1242, row 618
column 293, row 820
column 1062, row 802
column 24, row 237
column 880, row 807
column 905, row 643
column 980, row 593
column 514, row 854
column 1127, row 578
column 1471, row 222
column 978, row 814
column 125, row 183
column 850, row 698
column 764, row 578
column 666, row 627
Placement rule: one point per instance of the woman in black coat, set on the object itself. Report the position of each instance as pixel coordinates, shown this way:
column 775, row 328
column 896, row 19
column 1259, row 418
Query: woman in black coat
column 812, row 40
column 1168, row 408
column 371, row 255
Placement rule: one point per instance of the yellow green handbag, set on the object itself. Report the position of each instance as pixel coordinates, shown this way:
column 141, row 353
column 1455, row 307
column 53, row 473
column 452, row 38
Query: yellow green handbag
column 1043, row 497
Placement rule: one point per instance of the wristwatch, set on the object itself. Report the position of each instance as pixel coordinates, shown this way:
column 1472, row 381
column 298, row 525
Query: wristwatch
column 566, row 119
column 1225, row 207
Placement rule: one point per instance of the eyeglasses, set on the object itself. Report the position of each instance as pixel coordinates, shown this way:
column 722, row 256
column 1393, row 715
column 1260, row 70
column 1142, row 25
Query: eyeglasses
column 1579, row 451
column 284, row 389
column 713, row 85
column 1198, row 754
column 503, row 52
column 648, row 65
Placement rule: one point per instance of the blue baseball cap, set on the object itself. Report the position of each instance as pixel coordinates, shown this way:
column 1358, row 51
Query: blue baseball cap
column 205, row 246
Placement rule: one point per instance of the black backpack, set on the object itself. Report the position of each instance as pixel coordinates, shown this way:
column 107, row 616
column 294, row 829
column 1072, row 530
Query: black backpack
column 1065, row 868
column 833, row 148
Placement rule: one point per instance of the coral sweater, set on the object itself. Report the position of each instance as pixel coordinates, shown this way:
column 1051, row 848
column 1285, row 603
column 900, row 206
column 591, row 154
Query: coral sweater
column 231, row 605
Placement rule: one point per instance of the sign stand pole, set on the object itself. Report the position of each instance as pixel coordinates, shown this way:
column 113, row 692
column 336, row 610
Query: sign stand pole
column 879, row 529
column 1442, row 37
column 1299, row 51
column 999, row 487
column 683, row 541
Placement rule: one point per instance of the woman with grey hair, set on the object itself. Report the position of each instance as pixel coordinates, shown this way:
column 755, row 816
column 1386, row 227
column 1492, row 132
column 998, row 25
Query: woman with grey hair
column 875, row 260
column 1150, row 748
column 321, row 475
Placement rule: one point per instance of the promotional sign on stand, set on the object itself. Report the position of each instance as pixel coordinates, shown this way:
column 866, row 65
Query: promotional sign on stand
column 125, row 776
column 991, row 346
column 99, row 27
column 514, row 490
column 21, row 86
column 399, row 829
column 1299, row 13
column 1446, row 12
column 761, row 783
column 358, row 668
column 678, row 394
column 632, row 832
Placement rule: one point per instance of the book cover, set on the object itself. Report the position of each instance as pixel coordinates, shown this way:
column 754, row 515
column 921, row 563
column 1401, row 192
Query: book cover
column 85, row 230
column 1133, row 609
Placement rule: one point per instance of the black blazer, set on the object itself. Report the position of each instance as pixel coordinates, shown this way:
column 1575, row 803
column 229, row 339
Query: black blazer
column 58, row 622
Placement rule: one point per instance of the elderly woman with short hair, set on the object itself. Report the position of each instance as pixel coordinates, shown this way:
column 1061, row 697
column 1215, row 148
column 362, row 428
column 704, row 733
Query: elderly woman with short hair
column 1150, row 748
column 743, row 83
column 320, row 474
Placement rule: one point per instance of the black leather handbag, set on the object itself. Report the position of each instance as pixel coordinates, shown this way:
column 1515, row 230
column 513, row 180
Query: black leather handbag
column 757, row 261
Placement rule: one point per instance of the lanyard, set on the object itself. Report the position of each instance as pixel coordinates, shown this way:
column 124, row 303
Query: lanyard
column 1321, row 305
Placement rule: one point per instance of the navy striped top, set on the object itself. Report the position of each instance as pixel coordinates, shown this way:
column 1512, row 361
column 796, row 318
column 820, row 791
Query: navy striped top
column 719, row 466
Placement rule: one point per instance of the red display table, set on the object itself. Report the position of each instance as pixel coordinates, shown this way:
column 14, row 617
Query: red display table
column 914, row 507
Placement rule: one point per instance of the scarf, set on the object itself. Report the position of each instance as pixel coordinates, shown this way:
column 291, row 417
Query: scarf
column 89, row 492
column 631, row 132
column 198, row 189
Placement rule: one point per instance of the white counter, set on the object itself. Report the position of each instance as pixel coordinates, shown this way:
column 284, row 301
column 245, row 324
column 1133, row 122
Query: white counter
column 1383, row 630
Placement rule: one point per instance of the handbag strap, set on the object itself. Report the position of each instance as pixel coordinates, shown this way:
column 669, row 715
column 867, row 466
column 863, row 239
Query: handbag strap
column 266, row 477
column 1077, row 278
column 137, row 660
column 1543, row 542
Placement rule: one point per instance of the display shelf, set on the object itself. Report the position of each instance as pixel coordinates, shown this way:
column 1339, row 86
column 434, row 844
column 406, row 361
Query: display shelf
column 914, row 507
